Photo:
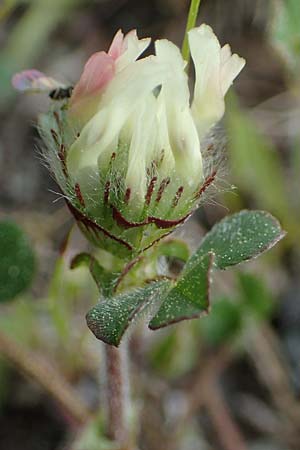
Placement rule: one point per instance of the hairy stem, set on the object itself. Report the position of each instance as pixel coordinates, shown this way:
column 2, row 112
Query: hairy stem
column 117, row 426
column 46, row 376
column 191, row 21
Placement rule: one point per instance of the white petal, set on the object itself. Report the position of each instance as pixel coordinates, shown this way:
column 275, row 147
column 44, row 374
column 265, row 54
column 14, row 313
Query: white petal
column 185, row 146
column 141, row 147
column 163, row 140
column 225, row 54
column 135, row 81
column 208, row 104
column 134, row 48
column 177, row 85
column 183, row 137
column 125, row 91
column 230, row 70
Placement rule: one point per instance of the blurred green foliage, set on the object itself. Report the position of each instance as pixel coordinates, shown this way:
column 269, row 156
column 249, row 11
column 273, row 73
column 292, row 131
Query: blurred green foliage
column 231, row 317
column 255, row 298
column 255, row 163
column 17, row 261
column 285, row 32
column 258, row 170
column 223, row 322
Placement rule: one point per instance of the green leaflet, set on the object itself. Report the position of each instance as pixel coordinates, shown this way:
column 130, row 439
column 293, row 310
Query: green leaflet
column 110, row 318
column 234, row 239
column 189, row 298
column 239, row 237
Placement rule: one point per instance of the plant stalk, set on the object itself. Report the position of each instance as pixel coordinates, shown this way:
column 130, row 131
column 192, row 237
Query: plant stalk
column 116, row 381
column 191, row 21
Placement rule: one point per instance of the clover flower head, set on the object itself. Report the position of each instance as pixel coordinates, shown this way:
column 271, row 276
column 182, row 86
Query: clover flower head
column 126, row 148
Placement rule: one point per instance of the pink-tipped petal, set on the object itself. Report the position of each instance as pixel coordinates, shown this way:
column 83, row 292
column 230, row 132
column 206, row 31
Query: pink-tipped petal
column 133, row 47
column 97, row 72
column 117, row 46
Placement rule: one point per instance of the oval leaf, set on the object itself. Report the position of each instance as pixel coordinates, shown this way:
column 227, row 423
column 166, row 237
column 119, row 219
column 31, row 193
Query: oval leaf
column 238, row 238
column 110, row 318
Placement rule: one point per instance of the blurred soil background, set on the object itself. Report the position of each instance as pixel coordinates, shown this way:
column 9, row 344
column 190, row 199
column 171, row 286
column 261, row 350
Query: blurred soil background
column 230, row 381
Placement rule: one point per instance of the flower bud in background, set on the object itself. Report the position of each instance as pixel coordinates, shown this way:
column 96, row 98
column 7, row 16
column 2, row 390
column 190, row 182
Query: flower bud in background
column 126, row 147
